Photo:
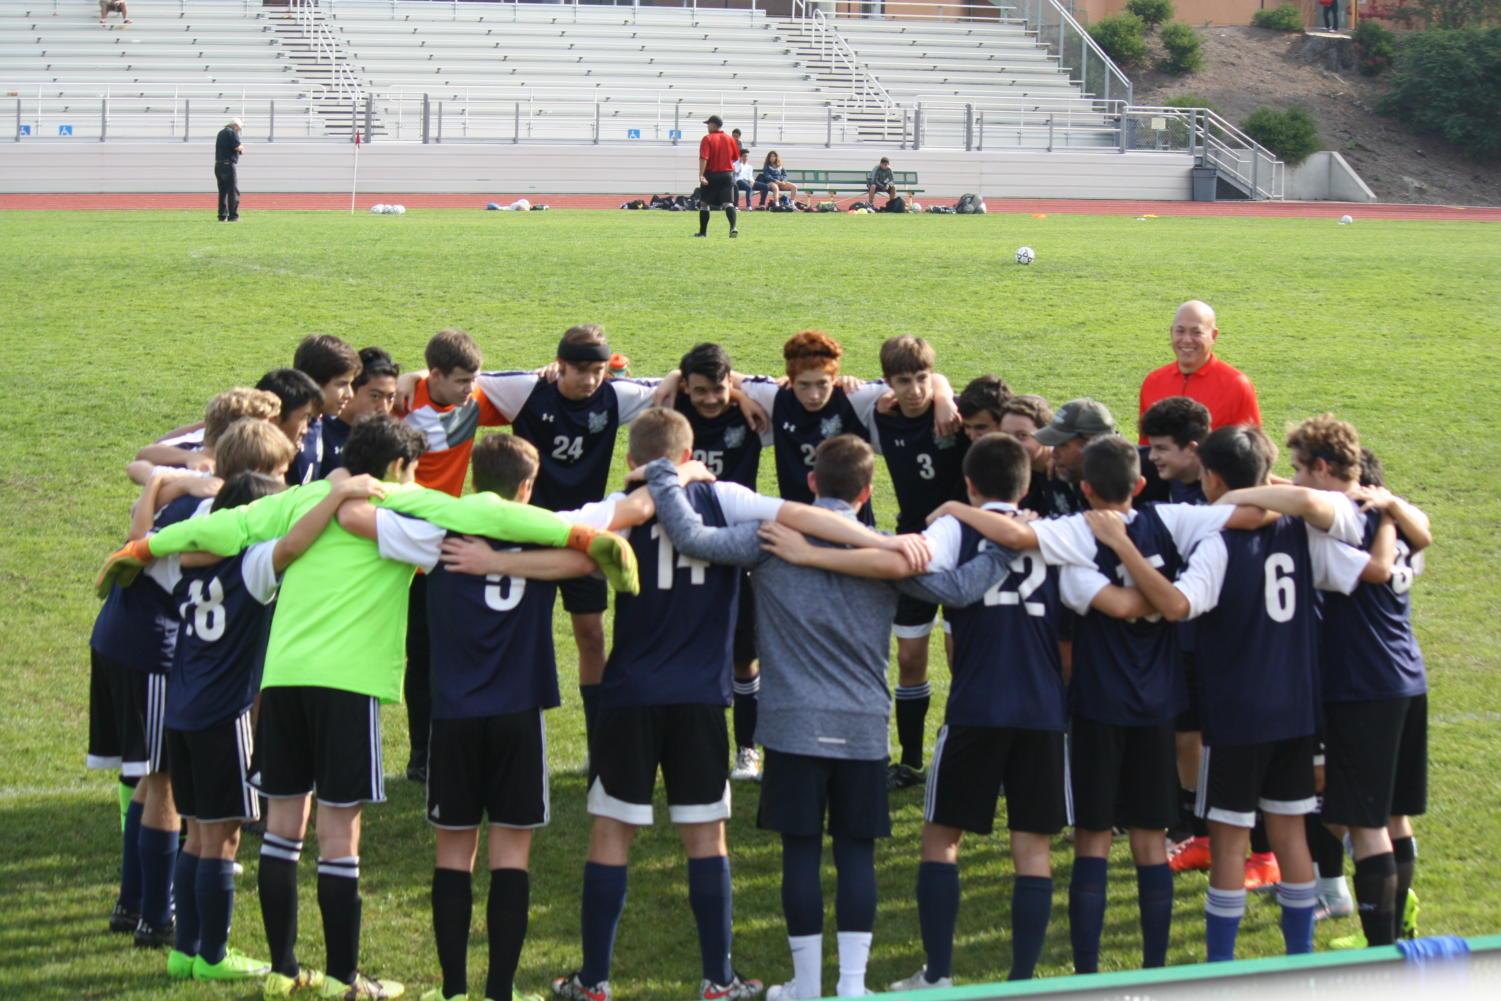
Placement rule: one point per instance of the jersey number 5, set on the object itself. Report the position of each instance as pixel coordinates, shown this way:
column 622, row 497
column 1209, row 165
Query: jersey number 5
column 504, row 593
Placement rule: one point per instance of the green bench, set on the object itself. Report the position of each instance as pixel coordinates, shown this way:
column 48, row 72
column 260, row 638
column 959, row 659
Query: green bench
column 816, row 182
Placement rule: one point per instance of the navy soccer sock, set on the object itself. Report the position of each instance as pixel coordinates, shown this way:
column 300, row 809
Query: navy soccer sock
column 1298, row 901
column 1154, row 898
column 855, row 901
column 746, row 704
column 158, row 859
column 215, row 894
column 1086, row 911
column 185, row 883
column 603, row 902
column 937, row 914
column 1031, row 907
column 710, row 897
column 802, row 893
column 130, row 859
column 1222, row 914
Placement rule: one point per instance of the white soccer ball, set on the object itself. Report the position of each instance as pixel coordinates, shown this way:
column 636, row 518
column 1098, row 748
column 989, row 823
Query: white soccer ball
column 1025, row 255
column 1345, row 220
column 399, row 209
column 983, row 209
column 521, row 205
column 377, row 209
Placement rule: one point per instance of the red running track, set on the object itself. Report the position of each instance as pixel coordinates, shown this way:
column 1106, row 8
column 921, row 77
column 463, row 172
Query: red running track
column 311, row 201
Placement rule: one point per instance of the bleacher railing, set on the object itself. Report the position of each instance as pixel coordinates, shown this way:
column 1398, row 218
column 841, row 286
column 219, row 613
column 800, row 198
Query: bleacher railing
column 72, row 113
column 398, row 8
column 345, row 84
column 1212, row 140
column 836, row 54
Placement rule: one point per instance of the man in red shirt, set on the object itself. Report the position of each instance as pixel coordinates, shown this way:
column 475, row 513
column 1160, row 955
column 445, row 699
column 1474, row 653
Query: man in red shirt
column 717, row 153
column 1199, row 375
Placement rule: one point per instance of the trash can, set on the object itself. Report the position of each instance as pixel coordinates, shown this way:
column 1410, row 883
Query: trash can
column 1205, row 180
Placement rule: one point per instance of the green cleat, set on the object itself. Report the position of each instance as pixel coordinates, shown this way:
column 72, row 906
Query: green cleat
column 279, row 985
column 436, row 994
column 1356, row 941
column 234, row 966
column 180, row 965
column 362, row 989
column 518, row 996
column 1409, row 927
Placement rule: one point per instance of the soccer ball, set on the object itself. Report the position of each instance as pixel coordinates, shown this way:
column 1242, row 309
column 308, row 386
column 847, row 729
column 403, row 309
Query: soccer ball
column 399, row 209
column 1025, row 255
column 377, row 210
column 1345, row 220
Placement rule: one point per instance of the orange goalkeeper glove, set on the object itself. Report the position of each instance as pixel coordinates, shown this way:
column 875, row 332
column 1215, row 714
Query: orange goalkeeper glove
column 614, row 556
column 123, row 566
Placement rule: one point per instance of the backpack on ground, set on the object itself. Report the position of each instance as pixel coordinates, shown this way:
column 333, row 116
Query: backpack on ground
column 940, row 210
column 967, row 205
column 897, row 204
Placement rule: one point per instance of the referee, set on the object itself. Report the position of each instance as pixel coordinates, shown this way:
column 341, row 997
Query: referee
column 717, row 153
column 227, row 150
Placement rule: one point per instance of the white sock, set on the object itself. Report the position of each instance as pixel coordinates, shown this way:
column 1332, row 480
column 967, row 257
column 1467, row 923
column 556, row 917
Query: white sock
column 1333, row 888
column 854, row 954
column 807, row 965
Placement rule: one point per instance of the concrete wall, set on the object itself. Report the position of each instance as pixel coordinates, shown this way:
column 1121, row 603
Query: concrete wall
column 294, row 167
column 1325, row 176
column 1188, row 11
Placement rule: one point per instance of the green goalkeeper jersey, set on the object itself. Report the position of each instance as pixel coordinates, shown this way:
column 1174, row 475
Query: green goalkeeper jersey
column 341, row 615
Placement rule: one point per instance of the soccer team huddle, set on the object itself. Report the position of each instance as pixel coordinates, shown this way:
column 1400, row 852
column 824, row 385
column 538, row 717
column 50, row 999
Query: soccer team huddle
column 1206, row 660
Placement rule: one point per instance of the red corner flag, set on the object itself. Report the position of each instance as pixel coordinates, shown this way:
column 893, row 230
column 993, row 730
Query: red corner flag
column 356, row 137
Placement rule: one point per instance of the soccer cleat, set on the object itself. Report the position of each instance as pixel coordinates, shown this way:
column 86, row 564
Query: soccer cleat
column 919, row 982
column 123, row 566
column 1356, row 941
column 148, row 936
column 123, row 922
column 417, row 771
column 234, row 966
column 1190, row 855
column 900, row 776
column 278, row 985
column 1262, row 872
column 1409, row 926
column 734, row 233
column 747, row 765
column 781, row 992
column 699, row 236
column 738, row 989
column 571, row 988
column 180, row 965
column 1333, row 907
column 362, row 988
column 436, row 994
column 614, row 556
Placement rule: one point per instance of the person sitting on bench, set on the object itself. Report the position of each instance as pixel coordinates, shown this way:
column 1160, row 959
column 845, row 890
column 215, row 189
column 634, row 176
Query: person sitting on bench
column 881, row 181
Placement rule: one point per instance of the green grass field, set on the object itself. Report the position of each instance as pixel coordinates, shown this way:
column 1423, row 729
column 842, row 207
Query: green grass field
column 118, row 326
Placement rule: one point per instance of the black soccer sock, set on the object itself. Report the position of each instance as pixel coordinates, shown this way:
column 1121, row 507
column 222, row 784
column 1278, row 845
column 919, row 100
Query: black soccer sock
column 1259, row 843
column 1328, row 851
column 1405, row 854
column 506, row 915
column 703, row 222
column 911, row 720
column 802, row 892
column 1376, row 897
column 710, row 897
column 453, row 906
column 746, row 703
column 277, row 887
column 339, row 901
column 731, row 214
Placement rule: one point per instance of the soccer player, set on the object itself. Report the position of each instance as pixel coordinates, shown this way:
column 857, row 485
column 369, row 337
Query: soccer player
column 193, row 447
column 1173, row 428
column 334, row 654
column 661, row 705
column 717, row 153
column 333, row 365
column 1050, row 495
column 225, row 610
column 980, row 405
column 1254, row 593
column 300, row 399
column 1373, row 678
column 374, row 392
column 824, row 715
column 926, row 470
column 572, row 422
column 727, row 443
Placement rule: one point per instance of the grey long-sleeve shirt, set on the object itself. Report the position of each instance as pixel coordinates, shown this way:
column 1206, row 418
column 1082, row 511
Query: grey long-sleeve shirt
column 823, row 639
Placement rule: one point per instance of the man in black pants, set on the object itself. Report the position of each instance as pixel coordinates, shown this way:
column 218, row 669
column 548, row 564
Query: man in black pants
column 227, row 150
column 717, row 153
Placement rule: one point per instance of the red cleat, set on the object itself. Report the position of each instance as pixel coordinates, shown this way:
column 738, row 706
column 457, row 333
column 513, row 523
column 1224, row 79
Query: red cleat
column 1262, row 871
column 1189, row 856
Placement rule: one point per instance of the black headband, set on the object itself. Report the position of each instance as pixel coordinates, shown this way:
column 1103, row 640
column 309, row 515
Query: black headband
column 583, row 352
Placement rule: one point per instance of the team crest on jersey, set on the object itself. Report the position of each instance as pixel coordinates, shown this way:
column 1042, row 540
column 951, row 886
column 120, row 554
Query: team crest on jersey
column 947, row 441
column 598, row 421
column 830, row 426
column 734, row 437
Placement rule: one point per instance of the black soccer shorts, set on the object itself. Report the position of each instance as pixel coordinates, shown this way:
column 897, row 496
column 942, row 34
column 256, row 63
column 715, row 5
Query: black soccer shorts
column 323, row 741
column 798, row 790
column 914, row 618
column 488, row 766
column 1375, row 761
column 585, row 595
column 141, row 722
column 689, row 743
column 106, row 693
column 1275, row 777
column 210, row 771
column 971, row 764
column 1123, row 776
column 719, row 192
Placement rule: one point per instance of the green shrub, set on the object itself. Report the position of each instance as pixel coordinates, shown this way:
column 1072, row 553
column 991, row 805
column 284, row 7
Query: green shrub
column 1121, row 37
column 1151, row 12
column 1184, row 52
column 1292, row 134
column 1376, row 45
column 1448, row 82
column 1287, row 17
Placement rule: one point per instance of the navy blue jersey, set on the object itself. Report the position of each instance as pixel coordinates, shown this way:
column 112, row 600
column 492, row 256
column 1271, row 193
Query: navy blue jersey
column 306, row 464
column 1130, row 673
column 491, row 642
column 1006, row 668
column 1052, row 497
column 926, row 470
column 797, row 432
column 335, row 437
column 673, row 642
column 1368, row 650
column 137, row 625
column 1258, row 645
column 726, row 444
column 225, row 615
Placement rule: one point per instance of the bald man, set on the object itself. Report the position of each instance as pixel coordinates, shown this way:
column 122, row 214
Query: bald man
column 227, row 150
column 1199, row 375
